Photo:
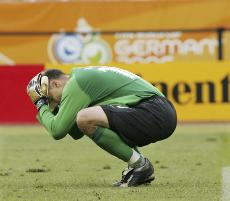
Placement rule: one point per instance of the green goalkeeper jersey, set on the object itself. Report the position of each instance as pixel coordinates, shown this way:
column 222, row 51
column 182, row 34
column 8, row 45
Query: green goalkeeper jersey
column 93, row 86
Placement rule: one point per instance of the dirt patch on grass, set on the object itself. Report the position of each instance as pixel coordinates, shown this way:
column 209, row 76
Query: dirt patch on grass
column 37, row 170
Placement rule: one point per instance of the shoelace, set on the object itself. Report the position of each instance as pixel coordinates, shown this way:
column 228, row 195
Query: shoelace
column 125, row 172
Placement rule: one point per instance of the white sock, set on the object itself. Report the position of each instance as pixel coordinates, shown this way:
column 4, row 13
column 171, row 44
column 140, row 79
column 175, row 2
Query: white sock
column 134, row 158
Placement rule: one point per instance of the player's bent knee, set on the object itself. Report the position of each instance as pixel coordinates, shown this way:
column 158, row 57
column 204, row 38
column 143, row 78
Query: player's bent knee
column 82, row 118
column 90, row 118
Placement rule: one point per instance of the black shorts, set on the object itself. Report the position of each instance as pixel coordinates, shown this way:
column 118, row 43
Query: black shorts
column 149, row 121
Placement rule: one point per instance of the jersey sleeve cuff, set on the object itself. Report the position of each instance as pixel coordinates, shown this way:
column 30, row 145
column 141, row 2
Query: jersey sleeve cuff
column 41, row 111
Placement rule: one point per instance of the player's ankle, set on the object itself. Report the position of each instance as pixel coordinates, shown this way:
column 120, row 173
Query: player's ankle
column 137, row 160
column 139, row 163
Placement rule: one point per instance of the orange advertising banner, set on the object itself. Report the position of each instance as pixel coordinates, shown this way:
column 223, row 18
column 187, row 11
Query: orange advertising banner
column 138, row 44
column 96, row 48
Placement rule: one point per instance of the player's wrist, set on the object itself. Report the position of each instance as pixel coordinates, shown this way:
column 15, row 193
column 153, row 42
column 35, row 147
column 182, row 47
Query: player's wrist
column 41, row 102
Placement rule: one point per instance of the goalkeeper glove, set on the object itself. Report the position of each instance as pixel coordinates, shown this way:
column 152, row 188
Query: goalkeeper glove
column 37, row 89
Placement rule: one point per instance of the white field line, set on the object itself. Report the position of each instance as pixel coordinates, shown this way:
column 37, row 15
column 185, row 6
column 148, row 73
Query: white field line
column 226, row 184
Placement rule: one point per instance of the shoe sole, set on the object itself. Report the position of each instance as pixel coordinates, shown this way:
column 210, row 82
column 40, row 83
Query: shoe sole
column 147, row 181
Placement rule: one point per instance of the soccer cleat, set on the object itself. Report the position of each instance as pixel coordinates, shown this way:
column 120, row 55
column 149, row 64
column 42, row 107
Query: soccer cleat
column 137, row 176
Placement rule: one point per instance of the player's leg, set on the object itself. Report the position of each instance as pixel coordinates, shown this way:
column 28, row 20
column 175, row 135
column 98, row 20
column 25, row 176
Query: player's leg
column 151, row 120
column 94, row 123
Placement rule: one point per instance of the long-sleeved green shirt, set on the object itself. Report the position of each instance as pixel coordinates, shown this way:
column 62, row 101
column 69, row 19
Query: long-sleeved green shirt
column 92, row 86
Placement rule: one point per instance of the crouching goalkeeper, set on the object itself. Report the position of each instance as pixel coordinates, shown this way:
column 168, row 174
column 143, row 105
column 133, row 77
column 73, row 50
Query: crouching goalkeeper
column 118, row 110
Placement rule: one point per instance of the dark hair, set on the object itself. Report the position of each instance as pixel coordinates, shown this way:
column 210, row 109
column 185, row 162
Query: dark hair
column 53, row 74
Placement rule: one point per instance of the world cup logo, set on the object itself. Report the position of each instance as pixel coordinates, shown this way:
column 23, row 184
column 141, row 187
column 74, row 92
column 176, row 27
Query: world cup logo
column 84, row 47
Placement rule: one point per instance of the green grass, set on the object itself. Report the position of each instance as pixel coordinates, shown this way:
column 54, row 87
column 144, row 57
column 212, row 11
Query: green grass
column 34, row 167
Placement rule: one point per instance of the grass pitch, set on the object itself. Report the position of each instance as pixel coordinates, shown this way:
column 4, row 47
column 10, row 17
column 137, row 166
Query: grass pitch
column 34, row 167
